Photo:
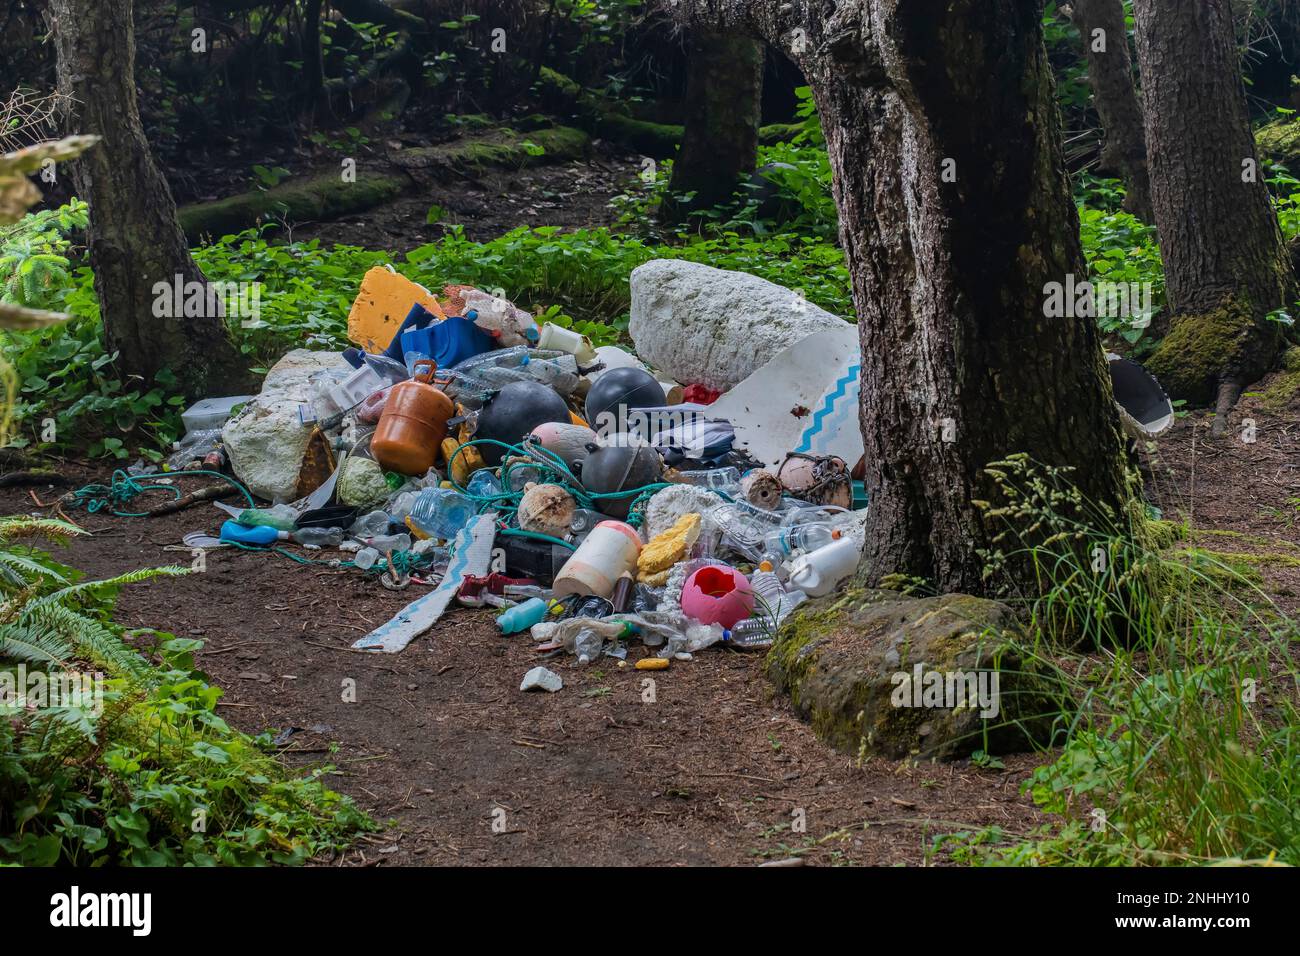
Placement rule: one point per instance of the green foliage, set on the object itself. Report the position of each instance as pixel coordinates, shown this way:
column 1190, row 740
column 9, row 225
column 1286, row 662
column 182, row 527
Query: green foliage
column 143, row 771
column 1121, row 249
column 34, row 268
column 1186, row 744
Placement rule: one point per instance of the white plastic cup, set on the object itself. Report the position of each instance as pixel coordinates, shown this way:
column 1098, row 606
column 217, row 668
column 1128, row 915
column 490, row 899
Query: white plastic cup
column 566, row 340
column 819, row 572
column 604, row 555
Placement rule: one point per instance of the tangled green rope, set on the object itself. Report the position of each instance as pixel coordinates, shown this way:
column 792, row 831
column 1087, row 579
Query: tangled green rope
column 122, row 489
column 547, row 462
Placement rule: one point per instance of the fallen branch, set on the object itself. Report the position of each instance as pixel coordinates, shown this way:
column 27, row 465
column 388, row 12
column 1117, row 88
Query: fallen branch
column 210, row 493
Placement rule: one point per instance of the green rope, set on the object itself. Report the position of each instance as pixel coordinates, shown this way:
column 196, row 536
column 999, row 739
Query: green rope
column 122, row 489
column 562, row 475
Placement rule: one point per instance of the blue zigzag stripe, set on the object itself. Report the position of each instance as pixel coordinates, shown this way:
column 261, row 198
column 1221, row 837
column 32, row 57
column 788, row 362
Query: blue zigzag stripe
column 828, row 406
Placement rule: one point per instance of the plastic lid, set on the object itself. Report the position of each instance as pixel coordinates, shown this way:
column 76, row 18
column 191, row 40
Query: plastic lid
column 765, row 565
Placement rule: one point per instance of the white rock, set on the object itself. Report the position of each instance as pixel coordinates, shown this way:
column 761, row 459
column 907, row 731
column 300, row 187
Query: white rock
column 539, row 678
column 714, row 327
column 266, row 441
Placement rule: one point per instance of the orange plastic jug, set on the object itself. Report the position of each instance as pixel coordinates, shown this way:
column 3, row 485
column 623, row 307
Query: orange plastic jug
column 413, row 425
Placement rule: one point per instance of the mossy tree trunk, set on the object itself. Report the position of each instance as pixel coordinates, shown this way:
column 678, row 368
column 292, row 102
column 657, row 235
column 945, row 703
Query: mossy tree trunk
column 134, row 238
column 955, row 215
column 1102, row 25
column 724, row 92
column 1226, row 267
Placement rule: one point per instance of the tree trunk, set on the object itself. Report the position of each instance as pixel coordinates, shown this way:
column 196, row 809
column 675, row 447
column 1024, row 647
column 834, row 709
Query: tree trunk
column 134, row 238
column 1110, row 71
column 1226, row 266
column 724, row 92
column 955, row 215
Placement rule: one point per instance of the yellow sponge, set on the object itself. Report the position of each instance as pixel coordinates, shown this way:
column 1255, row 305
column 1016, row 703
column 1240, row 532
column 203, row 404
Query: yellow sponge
column 381, row 305
column 666, row 549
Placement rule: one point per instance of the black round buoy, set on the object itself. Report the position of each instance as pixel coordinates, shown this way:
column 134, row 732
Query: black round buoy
column 630, row 387
column 514, row 412
column 626, row 464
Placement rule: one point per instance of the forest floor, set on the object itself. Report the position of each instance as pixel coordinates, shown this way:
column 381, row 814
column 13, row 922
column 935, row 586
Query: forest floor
column 717, row 769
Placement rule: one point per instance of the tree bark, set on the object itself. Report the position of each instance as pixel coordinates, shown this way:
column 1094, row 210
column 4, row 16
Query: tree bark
column 724, row 92
column 1226, row 266
column 134, row 238
column 955, row 215
column 1110, row 71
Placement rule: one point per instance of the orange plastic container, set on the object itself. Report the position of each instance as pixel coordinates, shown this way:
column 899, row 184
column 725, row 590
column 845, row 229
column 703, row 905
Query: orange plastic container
column 414, row 423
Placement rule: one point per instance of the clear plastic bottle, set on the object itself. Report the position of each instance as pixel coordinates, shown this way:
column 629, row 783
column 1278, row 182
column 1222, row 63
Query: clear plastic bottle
column 441, row 513
column 743, row 527
column 365, row 558
column 390, row 542
column 785, row 541
column 484, row 484
column 318, row 537
column 588, row 645
column 723, row 480
column 369, row 525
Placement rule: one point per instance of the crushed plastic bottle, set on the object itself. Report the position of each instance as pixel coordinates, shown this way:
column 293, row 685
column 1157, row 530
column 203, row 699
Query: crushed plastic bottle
column 318, row 537
column 743, row 528
column 441, row 513
column 193, row 447
column 279, row 517
column 722, row 480
column 365, row 558
column 484, row 484
column 369, row 525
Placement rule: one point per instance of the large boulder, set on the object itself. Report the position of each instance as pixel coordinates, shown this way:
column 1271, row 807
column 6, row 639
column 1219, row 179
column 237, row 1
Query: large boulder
column 266, row 441
column 881, row 674
column 713, row 327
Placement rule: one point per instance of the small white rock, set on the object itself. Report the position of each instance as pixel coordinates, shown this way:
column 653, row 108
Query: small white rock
column 539, row 678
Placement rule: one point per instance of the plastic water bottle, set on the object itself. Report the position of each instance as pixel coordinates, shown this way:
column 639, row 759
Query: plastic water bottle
column 441, row 513
column 318, row 537
column 784, row 542
column 390, row 542
column 771, row 606
column 588, row 645
column 483, row 484
column 369, row 525
column 724, row 480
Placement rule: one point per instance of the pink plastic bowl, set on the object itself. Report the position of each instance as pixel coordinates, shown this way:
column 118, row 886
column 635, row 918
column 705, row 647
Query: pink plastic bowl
column 717, row 594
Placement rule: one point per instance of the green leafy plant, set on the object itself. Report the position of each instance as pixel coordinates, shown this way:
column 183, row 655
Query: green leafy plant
column 141, row 771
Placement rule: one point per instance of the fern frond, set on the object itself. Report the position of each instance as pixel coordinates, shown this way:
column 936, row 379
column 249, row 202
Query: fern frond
column 24, row 569
column 52, row 529
column 89, row 637
column 26, row 646
column 66, row 594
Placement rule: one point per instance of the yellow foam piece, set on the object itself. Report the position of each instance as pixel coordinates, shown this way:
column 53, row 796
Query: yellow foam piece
column 381, row 305
column 666, row 549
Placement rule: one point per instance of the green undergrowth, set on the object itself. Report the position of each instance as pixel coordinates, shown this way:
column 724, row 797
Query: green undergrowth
column 1185, row 744
column 140, row 769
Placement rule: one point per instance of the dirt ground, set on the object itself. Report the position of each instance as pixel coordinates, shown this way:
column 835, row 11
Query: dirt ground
column 710, row 768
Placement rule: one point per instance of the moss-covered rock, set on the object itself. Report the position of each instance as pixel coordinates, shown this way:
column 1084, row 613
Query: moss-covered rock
column 1279, row 142
column 314, row 198
column 1282, row 390
column 607, row 118
column 877, row 673
column 1201, row 350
